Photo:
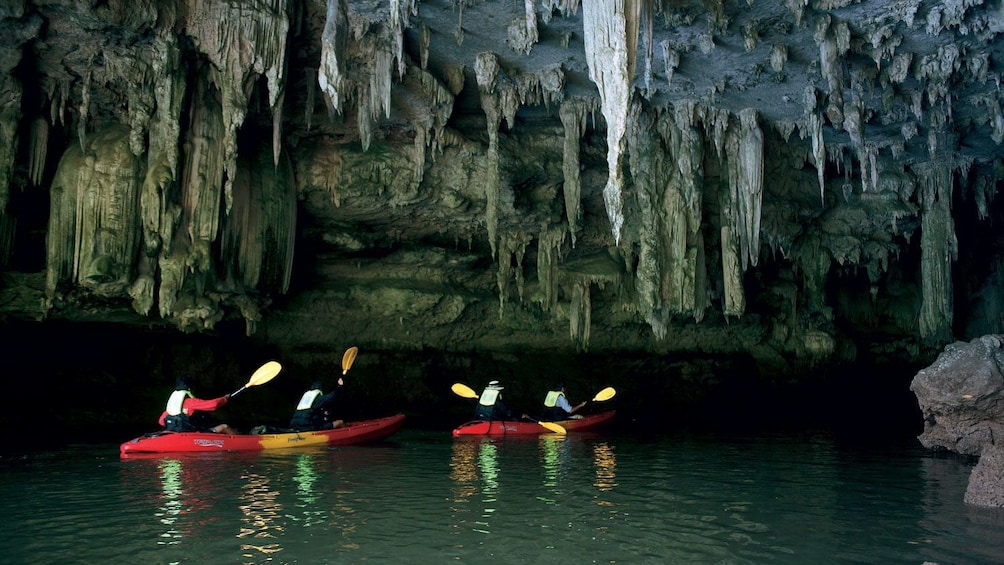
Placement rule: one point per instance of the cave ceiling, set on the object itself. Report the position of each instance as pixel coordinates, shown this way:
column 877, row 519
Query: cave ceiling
column 798, row 181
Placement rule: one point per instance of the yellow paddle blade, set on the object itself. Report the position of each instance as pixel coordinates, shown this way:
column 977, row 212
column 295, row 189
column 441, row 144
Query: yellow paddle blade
column 605, row 394
column 265, row 373
column 348, row 358
column 463, row 390
column 553, row 427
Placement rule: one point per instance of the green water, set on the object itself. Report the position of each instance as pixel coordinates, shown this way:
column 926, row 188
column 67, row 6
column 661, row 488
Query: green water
column 425, row 497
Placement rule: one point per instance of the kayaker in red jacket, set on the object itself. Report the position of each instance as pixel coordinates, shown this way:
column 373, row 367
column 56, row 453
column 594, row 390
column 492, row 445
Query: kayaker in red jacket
column 186, row 413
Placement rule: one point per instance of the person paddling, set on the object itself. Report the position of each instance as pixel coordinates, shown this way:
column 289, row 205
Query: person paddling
column 313, row 412
column 557, row 407
column 490, row 405
column 186, row 413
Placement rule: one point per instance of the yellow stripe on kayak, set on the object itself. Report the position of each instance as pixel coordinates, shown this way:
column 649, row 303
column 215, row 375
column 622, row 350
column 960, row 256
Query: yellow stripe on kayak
column 302, row 439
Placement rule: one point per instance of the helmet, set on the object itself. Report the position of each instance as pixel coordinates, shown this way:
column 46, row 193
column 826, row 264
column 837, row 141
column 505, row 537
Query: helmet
column 184, row 382
column 316, row 385
column 495, row 385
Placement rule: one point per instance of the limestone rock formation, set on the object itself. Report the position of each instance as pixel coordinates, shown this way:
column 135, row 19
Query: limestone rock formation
column 961, row 396
column 804, row 182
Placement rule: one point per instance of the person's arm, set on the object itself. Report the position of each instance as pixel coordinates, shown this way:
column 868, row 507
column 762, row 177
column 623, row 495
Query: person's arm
column 329, row 399
column 198, row 404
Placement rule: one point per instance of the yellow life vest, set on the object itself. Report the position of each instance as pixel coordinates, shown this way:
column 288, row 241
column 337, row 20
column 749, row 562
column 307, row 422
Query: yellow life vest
column 551, row 400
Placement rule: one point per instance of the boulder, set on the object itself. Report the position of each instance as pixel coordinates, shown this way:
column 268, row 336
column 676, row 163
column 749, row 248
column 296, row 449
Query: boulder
column 986, row 484
column 961, row 396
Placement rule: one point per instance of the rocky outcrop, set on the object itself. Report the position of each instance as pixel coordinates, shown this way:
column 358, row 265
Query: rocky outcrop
column 985, row 484
column 961, row 397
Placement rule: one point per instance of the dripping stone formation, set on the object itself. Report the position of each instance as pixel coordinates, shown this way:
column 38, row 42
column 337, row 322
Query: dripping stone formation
column 801, row 182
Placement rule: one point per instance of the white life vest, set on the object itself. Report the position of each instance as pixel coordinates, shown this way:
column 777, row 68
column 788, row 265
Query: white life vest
column 488, row 397
column 176, row 402
column 307, row 400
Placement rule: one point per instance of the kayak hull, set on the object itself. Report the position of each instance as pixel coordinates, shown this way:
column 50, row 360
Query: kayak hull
column 508, row 428
column 200, row 442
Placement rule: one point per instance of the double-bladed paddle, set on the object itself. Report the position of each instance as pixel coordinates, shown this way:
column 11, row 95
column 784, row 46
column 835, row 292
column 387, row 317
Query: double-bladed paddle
column 265, row 373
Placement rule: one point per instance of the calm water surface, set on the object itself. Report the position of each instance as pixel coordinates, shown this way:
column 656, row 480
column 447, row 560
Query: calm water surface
column 429, row 498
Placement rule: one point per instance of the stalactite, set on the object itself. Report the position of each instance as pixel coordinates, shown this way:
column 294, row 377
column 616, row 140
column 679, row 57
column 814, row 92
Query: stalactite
column 647, row 24
column 778, row 57
column 655, row 218
column 424, row 36
column 308, row 110
column 939, row 248
column 333, row 52
column 277, row 131
column 399, row 21
column 10, row 115
column 815, row 126
column 580, row 313
column 84, row 109
column 512, row 248
column 243, row 43
column 818, row 153
column 832, row 71
column 545, row 86
column 428, row 106
column 573, row 118
column 202, row 176
column 258, row 237
column 522, row 33
column 169, row 92
column 748, row 187
column 39, row 148
column 611, row 41
column 734, row 298
column 797, row 8
column 549, row 255
column 688, row 145
column 487, row 70
column 672, row 59
column 93, row 237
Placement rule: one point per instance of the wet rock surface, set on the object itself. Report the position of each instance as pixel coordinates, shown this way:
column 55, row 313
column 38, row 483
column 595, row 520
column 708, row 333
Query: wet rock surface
column 960, row 396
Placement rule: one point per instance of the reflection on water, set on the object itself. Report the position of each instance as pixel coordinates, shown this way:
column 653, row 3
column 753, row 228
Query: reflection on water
column 170, row 477
column 555, row 455
column 580, row 498
column 261, row 511
column 474, row 468
column 306, row 495
column 605, row 463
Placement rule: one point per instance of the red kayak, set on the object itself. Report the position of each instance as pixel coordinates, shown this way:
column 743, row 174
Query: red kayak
column 505, row 428
column 350, row 433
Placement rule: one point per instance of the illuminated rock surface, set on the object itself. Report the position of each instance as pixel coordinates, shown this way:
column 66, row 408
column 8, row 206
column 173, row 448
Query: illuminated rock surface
column 805, row 183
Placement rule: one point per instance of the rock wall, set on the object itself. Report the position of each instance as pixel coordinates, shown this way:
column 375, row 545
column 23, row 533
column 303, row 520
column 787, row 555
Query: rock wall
column 808, row 184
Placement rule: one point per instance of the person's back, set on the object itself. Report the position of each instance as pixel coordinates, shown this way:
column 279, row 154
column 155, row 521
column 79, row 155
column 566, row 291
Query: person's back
column 313, row 412
column 490, row 405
